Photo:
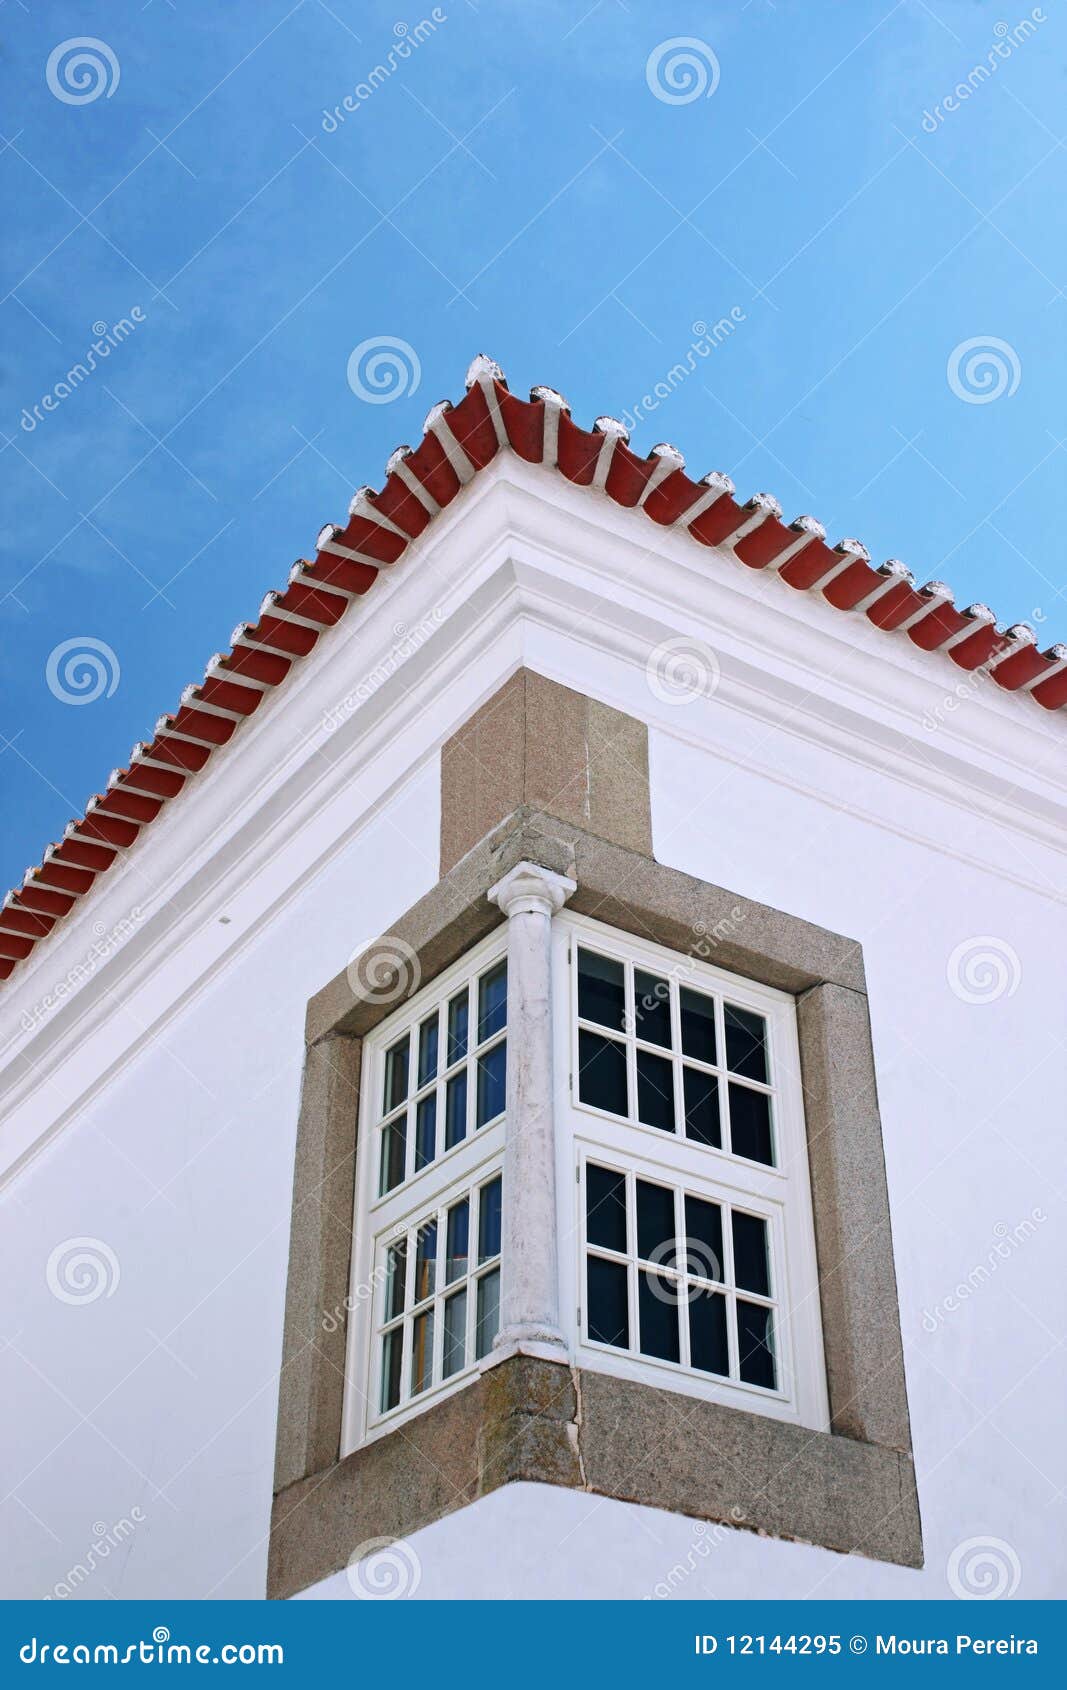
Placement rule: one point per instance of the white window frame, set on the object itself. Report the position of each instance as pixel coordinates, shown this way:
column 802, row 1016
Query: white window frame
column 780, row 1194
column 380, row 1219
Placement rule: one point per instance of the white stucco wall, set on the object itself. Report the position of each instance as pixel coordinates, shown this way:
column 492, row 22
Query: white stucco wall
column 177, row 1154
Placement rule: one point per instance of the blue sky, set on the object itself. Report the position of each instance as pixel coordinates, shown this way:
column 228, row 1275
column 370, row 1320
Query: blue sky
column 517, row 185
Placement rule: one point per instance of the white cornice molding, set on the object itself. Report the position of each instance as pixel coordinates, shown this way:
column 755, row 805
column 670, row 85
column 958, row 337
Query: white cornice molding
column 520, row 556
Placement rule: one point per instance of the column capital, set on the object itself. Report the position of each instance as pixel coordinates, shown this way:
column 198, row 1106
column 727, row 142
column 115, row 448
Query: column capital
column 529, row 889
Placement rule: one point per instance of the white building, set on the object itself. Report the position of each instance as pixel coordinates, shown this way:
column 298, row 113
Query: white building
column 730, row 804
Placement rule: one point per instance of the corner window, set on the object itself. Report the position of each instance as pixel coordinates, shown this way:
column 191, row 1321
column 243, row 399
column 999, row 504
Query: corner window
column 424, row 1299
column 689, row 1252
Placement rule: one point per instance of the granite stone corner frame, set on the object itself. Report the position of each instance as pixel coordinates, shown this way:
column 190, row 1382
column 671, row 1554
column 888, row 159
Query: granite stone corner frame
column 556, row 780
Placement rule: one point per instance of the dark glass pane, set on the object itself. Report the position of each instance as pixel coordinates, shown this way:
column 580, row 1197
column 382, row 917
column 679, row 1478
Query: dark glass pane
column 428, row 1050
column 601, row 990
column 708, row 1348
column 455, row 1352
column 750, row 1124
column 755, row 1344
column 751, row 1268
column 488, row 1312
column 489, row 1221
column 655, row 1091
column 425, row 1130
column 425, row 1261
column 392, row 1356
column 605, row 1207
column 457, row 1241
column 396, row 1261
column 394, row 1142
column 492, row 1078
column 609, row 1316
column 421, row 1352
column 657, row 1301
column 602, row 1073
column 456, row 1109
column 703, row 1236
column 396, row 1075
column 746, row 1043
column 652, row 1009
column 656, row 1231
column 492, row 1001
column 458, row 1016
column 698, row 1024
column 701, row 1092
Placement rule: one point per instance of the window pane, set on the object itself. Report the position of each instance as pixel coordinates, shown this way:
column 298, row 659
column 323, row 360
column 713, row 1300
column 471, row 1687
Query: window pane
column 701, row 1092
column 396, row 1261
column 750, row 1124
column 457, row 1241
column 396, row 1075
column 755, row 1344
column 425, row 1260
column 602, row 1073
column 658, row 1309
column 656, row 1233
column 456, row 1109
column 492, row 1086
column 751, row 1270
column 425, row 1130
column 455, row 1354
column 698, row 1024
column 428, row 1050
column 707, row 1332
column 601, row 990
column 421, row 1352
column 489, row 1222
column 488, row 1324
column 458, row 1015
column 746, row 1043
column 652, row 1009
column 609, row 1318
column 703, row 1237
column 492, row 1001
column 392, row 1355
column 605, row 1207
column 655, row 1091
column 394, row 1143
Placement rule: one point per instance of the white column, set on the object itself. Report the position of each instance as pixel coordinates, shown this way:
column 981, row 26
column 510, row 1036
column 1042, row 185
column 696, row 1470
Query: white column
column 529, row 1306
